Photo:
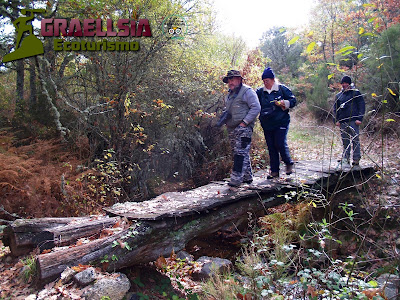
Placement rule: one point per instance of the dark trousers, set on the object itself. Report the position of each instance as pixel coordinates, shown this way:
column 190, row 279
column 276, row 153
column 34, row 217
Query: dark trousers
column 350, row 133
column 277, row 145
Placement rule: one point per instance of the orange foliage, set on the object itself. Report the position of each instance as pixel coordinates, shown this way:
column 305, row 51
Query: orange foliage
column 80, row 267
column 31, row 177
column 386, row 12
column 374, row 292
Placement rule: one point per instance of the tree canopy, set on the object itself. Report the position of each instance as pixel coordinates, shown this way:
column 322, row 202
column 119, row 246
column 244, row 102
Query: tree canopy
column 149, row 113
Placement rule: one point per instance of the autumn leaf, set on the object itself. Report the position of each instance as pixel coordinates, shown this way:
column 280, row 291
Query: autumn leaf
column 390, row 91
column 346, row 49
column 118, row 224
column 173, row 255
column 373, row 284
column 373, row 293
column 80, row 267
column 369, row 5
column 310, row 47
column 58, row 284
column 311, row 291
column 339, row 69
column 161, row 262
column 293, row 40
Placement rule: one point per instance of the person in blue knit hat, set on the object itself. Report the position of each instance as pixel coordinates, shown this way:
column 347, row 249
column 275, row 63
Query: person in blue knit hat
column 349, row 110
column 275, row 100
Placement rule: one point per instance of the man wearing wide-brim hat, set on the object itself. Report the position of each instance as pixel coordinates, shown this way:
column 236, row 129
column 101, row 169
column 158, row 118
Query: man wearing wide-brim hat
column 242, row 107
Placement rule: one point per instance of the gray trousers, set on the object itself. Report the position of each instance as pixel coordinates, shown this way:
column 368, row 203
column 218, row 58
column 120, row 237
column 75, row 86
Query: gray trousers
column 240, row 140
column 350, row 132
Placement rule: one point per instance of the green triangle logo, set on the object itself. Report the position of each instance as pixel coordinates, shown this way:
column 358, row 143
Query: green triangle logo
column 30, row 45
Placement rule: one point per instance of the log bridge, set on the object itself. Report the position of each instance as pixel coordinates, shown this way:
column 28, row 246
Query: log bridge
column 132, row 233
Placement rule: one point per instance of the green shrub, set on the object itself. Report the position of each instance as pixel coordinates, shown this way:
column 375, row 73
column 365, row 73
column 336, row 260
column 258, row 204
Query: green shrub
column 318, row 99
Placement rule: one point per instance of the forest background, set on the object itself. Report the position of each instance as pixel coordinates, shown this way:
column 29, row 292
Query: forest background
column 84, row 130
column 127, row 125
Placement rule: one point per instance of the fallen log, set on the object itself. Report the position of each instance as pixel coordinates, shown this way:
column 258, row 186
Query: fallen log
column 164, row 224
column 145, row 241
column 24, row 235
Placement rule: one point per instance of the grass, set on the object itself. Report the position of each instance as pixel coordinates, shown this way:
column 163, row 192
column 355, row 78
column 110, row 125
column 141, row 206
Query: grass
column 29, row 269
column 307, row 140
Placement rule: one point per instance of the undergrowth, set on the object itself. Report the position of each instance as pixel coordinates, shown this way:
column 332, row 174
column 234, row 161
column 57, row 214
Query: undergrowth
column 29, row 268
column 49, row 178
column 291, row 257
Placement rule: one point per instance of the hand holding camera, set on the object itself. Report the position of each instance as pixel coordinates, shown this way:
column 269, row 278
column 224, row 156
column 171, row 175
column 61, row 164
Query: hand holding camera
column 280, row 103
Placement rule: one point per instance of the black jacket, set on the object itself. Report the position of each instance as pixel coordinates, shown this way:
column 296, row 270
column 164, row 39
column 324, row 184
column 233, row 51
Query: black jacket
column 349, row 106
column 271, row 116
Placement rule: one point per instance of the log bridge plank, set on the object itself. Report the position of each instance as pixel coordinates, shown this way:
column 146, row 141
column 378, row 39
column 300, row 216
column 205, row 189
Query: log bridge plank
column 178, row 204
column 166, row 223
column 24, row 235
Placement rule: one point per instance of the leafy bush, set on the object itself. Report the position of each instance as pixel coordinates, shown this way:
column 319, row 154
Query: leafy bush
column 319, row 100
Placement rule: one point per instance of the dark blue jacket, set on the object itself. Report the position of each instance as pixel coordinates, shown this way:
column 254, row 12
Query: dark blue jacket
column 271, row 116
column 349, row 106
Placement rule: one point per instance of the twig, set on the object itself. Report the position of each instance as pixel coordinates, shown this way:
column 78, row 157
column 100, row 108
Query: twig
column 11, row 215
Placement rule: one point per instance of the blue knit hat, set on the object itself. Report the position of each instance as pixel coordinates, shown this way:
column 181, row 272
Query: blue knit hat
column 268, row 73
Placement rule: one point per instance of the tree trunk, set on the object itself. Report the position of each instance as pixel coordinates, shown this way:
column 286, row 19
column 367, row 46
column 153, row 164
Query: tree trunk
column 145, row 241
column 20, row 85
column 32, row 83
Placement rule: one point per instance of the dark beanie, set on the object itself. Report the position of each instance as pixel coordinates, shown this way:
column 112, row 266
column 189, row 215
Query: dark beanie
column 268, row 73
column 346, row 79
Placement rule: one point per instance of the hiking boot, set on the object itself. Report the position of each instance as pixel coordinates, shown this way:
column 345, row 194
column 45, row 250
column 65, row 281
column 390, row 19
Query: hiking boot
column 233, row 184
column 356, row 162
column 250, row 181
column 343, row 163
column 289, row 168
column 273, row 175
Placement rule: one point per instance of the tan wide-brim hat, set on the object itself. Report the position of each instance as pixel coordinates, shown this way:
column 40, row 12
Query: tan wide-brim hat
column 230, row 74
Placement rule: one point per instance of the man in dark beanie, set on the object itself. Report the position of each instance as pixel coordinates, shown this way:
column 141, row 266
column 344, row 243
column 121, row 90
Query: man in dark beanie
column 349, row 110
column 346, row 79
column 243, row 108
column 275, row 100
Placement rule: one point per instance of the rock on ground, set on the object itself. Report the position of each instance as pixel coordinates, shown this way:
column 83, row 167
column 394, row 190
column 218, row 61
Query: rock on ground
column 115, row 287
column 211, row 265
